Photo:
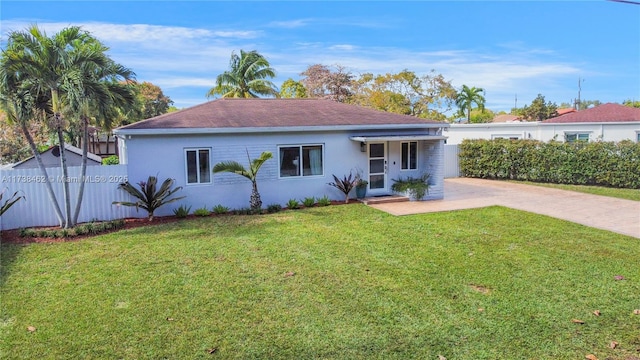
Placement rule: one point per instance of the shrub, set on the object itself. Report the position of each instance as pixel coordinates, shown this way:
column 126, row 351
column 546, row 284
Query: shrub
column 182, row 211
column 111, row 160
column 220, row 209
column 246, row 211
column 416, row 187
column 345, row 185
column 148, row 198
column 274, row 208
column 293, row 204
column 9, row 202
column 203, row 211
column 324, row 201
column 579, row 163
column 308, row 201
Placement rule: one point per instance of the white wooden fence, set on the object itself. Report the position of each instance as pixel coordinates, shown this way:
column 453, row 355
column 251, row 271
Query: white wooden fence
column 101, row 189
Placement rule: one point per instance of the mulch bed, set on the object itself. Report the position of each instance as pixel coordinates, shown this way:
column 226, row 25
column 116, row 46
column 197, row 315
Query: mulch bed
column 13, row 236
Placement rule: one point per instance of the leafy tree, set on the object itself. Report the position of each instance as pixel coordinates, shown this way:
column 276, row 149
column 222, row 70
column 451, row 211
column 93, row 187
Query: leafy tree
column 55, row 76
column 250, row 173
column 481, row 116
column 292, row 89
column 247, row 77
column 583, row 104
column 467, row 97
column 323, row 82
column 538, row 110
column 13, row 145
column 148, row 197
column 631, row 103
column 405, row 93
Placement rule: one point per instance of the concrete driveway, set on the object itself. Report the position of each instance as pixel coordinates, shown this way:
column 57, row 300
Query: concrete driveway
column 617, row 215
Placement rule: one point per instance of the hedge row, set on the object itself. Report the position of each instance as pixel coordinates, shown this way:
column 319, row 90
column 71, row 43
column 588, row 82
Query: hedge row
column 580, row 163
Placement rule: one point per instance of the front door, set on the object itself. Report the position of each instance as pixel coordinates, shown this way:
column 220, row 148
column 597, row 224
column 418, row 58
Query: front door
column 377, row 168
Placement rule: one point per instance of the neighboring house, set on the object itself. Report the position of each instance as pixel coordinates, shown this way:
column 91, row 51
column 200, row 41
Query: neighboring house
column 51, row 158
column 310, row 140
column 607, row 122
column 506, row 118
column 101, row 143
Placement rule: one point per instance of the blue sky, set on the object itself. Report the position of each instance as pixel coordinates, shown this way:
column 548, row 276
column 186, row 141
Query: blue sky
column 509, row 48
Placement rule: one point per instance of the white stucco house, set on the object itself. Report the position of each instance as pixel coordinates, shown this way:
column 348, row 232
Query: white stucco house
column 310, row 140
column 607, row 122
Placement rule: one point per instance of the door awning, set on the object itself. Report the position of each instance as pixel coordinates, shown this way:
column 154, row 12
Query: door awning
column 367, row 139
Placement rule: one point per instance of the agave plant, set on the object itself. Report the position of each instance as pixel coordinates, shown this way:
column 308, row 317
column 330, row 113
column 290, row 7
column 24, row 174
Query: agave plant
column 9, row 202
column 346, row 184
column 148, row 198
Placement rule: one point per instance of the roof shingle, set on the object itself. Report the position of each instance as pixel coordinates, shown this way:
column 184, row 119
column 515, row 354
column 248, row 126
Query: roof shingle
column 259, row 113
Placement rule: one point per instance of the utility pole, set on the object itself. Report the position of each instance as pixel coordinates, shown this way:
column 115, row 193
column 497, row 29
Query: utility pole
column 577, row 105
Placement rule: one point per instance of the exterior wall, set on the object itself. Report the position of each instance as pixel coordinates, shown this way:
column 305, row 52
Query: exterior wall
column 544, row 132
column 164, row 156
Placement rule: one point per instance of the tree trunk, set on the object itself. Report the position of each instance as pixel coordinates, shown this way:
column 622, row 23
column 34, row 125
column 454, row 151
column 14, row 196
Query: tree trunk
column 83, row 169
column 65, row 173
column 255, row 202
column 43, row 171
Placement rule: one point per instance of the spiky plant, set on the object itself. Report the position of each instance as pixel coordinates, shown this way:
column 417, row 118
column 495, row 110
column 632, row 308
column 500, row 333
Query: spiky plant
column 346, row 184
column 9, row 202
column 234, row 167
column 148, row 198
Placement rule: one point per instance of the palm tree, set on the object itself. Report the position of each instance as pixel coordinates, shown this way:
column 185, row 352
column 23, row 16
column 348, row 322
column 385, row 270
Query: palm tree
column 251, row 173
column 467, row 97
column 247, row 77
column 55, row 70
column 102, row 95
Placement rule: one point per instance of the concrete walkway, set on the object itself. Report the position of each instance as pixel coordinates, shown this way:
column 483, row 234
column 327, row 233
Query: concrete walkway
column 617, row 215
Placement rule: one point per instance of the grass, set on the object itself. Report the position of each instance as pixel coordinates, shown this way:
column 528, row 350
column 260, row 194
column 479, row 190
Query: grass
column 628, row 194
column 339, row 282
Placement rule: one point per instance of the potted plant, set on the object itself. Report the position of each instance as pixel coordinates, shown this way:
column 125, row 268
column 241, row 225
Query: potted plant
column 361, row 188
column 416, row 188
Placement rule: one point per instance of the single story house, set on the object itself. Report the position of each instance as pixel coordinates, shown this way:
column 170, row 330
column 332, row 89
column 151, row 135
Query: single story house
column 606, row 122
column 51, row 158
column 310, row 139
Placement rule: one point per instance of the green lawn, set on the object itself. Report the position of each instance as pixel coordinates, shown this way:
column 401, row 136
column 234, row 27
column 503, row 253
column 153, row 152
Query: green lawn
column 629, row 194
column 340, row 282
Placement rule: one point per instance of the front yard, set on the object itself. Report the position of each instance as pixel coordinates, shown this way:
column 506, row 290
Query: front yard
column 339, row 282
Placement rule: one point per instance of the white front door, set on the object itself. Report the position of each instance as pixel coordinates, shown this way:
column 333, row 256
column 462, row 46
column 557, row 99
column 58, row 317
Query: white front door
column 377, row 168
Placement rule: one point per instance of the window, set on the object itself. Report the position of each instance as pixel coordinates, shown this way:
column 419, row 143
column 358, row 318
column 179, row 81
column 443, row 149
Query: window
column 409, row 155
column 198, row 166
column 573, row 137
column 506, row 136
column 638, row 136
column 301, row 160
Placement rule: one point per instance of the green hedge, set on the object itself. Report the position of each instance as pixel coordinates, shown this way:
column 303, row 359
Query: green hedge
column 579, row 163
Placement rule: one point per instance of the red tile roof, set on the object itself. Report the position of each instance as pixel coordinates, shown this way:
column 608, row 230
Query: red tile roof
column 259, row 113
column 609, row 112
column 504, row 118
column 564, row 111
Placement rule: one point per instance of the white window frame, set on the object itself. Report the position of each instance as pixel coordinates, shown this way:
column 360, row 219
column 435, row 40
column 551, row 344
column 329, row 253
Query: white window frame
column 506, row 136
column 186, row 166
column 577, row 135
column 300, row 164
column 638, row 136
column 409, row 156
